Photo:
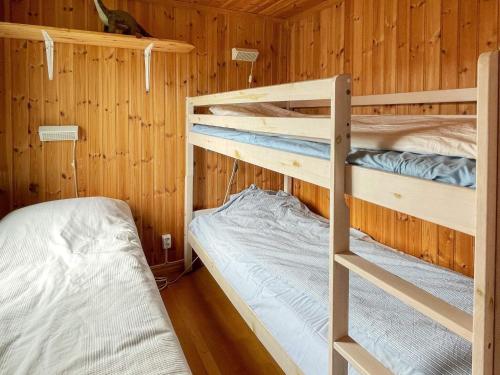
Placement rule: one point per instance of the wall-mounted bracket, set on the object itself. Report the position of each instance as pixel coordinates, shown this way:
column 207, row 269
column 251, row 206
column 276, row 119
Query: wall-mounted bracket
column 147, row 64
column 49, row 52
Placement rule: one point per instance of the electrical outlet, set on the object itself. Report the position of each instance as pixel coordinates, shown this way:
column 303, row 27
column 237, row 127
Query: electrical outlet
column 166, row 240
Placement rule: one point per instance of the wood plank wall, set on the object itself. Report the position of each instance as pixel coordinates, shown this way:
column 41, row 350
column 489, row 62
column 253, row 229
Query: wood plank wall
column 132, row 144
column 396, row 46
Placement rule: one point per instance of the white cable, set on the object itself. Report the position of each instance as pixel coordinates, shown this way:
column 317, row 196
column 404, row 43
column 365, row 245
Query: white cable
column 73, row 164
column 233, row 173
column 250, row 77
column 163, row 282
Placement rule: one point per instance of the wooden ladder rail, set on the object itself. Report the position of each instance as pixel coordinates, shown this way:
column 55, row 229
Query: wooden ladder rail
column 483, row 337
column 338, row 286
column 342, row 348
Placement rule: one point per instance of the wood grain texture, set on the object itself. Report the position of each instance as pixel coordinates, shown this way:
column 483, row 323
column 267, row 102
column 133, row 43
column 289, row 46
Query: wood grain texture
column 132, row 143
column 281, row 8
column 396, row 46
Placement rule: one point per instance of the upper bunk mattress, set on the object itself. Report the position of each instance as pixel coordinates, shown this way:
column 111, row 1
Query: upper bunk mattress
column 447, row 135
column 458, row 171
column 77, row 295
column 274, row 252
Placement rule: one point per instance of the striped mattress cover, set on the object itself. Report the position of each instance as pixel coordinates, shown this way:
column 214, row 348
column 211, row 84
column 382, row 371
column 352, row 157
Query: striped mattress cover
column 274, row 252
column 77, row 295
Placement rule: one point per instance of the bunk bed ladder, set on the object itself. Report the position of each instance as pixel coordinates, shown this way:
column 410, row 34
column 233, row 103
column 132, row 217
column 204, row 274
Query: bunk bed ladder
column 478, row 328
column 342, row 348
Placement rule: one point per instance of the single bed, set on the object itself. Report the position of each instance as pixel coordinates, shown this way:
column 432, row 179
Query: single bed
column 77, row 295
column 274, row 252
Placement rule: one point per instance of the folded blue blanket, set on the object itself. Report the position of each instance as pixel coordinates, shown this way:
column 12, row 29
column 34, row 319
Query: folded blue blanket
column 451, row 170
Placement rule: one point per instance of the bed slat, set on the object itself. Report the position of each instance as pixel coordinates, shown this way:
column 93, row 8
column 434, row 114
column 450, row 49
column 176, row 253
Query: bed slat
column 435, row 308
column 358, row 357
column 306, row 168
column 307, row 90
column 294, row 126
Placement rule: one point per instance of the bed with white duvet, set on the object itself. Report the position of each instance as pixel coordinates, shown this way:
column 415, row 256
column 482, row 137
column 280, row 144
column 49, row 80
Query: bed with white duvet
column 77, row 295
column 274, row 252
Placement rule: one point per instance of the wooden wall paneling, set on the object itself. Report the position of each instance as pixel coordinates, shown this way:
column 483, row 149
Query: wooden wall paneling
column 122, row 121
column 170, row 148
column 221, row 47
column 401, row 221
column 160, row 162
column 432, row 75
column 211, row 73
column 248, row 38
column 412, row 45
column 448, row 79
column 183, row 89
column 5, row 109
column 94, row 122
column 35, row 106
column 388, row 217
column 259, row 72
column 356, row 206
column 135, row 138
column 242, row 33
column 20, row 117
column 200, row 69
column 66, row 116
column 467, row 50
column 80, row 66
column 269, row 42
column 378, row 73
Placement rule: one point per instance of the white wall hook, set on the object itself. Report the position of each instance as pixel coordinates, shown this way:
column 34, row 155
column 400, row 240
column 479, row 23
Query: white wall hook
column 49, row 52
column 147, row 64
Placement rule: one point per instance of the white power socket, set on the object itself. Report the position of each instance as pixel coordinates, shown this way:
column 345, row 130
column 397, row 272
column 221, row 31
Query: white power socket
column 166, row 240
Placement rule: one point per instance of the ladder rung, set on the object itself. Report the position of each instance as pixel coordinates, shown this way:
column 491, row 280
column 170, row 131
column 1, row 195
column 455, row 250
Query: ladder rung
column 358, row 357
column 435, row 308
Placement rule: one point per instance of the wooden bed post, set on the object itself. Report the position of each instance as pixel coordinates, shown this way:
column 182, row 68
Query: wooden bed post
column 486, row 217
column 339, row 221
column 287, row 184
column 496, row 343
column 188, row 188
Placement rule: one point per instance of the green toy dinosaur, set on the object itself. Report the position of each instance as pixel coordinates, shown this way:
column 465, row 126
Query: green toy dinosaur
column 116, row 21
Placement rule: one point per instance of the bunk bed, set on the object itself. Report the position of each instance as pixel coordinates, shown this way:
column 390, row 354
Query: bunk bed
column 470, row 210
column 77, row 295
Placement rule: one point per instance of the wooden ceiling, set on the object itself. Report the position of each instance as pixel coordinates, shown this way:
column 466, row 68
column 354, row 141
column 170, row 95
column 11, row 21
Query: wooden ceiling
column 272, row 8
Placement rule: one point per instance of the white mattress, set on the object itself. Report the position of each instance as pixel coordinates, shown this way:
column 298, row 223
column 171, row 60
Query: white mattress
column 440, row 135
column 77, row 295
column 274, row 252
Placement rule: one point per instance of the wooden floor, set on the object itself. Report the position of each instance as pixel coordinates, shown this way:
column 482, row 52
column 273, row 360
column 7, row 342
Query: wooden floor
column 214, row 337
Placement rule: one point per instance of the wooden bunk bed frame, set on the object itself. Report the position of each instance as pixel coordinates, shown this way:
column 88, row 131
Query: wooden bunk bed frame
column 471, row 211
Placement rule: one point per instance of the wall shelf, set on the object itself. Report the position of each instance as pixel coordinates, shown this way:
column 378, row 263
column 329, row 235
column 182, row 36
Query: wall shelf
column 61, row 35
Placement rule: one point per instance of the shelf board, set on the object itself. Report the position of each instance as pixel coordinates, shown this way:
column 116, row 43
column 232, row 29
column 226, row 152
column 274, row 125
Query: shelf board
column 61, row 35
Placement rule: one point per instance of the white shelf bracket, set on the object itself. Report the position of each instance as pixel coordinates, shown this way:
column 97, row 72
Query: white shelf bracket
column 147, row 64
column 49, row 52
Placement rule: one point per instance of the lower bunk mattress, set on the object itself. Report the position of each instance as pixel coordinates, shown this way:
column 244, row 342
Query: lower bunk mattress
column 274, row 252
column 77, row 295
column 457, row 171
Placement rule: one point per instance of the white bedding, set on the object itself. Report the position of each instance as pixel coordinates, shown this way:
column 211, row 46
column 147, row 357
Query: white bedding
column 77, row 295
column 274, row 252
column 441, row 135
